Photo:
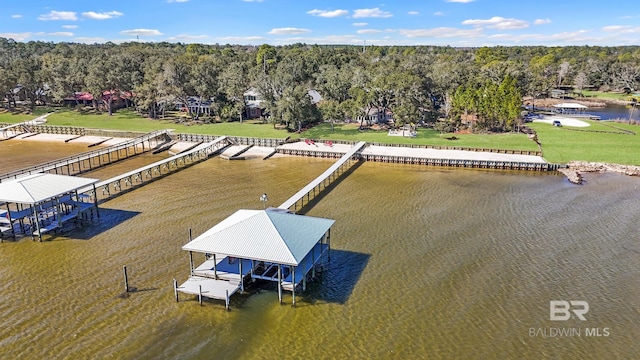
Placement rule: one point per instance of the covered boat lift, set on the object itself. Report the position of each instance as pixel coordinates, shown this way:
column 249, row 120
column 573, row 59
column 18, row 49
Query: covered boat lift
column 271, row 244
column 47, row 201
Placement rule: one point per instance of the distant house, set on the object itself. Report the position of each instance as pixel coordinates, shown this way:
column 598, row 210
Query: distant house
column 196, row 106
column 119, row 100
column 255, row 109
column 253, row 104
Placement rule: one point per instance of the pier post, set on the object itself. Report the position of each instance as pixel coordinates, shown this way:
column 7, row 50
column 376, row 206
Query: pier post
column 226, row 299
column 279, row 283
column 241, row 276
column 293, row 285
column 126, row 280
column 200, row 294
column 175, row 289
column 191, row 262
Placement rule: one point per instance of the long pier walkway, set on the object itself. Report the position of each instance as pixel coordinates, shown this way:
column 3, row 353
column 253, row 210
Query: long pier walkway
column 325, row 179
column 141, row 176
column 79, row 163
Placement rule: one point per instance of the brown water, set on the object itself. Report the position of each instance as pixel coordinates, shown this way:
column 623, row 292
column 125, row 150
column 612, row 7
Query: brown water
column 426, row 263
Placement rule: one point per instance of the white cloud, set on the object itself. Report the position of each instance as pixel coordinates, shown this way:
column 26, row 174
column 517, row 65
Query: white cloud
column 369, row 31
column 622, row 29
column 360, row 24
column 288, row 31
column 413, row 13
column 438, row 13
column 252, row 0
column 374, row 13
column 16, row 16
column 441, row 32
column 177, row 1
column 61, row 33
column 141, row 32
column 460, row 1
column 70, row 26
column 328, row 40
column 101, row 16
column 327, row 13
column 498, row 22
column 542, row 21
column 59, row 15
column 187, row 38
column 16, row 36
column 90, row 40
column 241, row 39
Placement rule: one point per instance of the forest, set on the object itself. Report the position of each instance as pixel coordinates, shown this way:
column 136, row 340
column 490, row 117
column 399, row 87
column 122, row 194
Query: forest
column 444, row 86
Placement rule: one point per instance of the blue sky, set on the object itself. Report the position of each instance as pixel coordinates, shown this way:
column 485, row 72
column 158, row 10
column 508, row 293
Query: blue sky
column 280, row 22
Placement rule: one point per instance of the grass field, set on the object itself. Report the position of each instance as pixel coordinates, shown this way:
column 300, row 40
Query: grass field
column 605, row 95
column 600, row 142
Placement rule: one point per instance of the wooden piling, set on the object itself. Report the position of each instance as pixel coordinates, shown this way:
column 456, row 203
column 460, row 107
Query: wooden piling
column 200, row 294
column 126, row 280
column 175, row 289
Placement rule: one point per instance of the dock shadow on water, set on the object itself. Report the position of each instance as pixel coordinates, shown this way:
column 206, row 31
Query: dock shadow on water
column 339, row 277
column 109, row 218
column 324, row 192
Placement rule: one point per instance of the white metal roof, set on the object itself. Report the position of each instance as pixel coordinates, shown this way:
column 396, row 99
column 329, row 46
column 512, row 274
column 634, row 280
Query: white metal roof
column 36, row 188
column 270, row 235
column 570, row 106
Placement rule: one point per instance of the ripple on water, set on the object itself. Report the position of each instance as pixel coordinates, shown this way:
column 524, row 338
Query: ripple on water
column 427, row 262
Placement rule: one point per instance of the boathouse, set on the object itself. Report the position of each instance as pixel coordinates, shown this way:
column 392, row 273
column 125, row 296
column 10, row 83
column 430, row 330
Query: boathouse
column 271, row 244
column 39, row 203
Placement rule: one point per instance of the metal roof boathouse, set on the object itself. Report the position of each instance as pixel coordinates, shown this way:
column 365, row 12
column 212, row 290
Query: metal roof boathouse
column 39, row 203
column 271, row 244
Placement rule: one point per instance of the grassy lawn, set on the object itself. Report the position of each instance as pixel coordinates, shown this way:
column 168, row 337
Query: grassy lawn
column 126, row 120
column 559, row 144
column 425, row 136
column 605, row 95
column 562, row 144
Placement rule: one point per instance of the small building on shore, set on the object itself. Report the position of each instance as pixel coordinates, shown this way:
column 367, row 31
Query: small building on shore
column 272, row 245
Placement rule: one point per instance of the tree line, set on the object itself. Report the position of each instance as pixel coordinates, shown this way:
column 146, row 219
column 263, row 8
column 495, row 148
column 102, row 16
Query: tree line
column 415, row 83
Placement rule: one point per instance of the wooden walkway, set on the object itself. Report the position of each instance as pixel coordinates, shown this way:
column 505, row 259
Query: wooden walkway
column 79, row 163
column 323, row 180
column 143, row 175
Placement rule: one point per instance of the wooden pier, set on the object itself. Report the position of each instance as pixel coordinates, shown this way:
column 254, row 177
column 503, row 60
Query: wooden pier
column 141, row 176
column 79, row 163
column 321, row 182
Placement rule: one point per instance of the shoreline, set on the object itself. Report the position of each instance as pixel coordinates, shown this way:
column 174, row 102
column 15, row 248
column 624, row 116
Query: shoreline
column 573, row 172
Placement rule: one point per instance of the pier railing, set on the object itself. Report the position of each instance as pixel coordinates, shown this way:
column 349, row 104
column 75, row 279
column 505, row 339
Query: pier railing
column 143, row 175
column 90, row 160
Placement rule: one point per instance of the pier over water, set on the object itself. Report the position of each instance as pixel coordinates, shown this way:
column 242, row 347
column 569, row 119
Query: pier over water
column 76, row 164
column 324, row 179
column 143, row 175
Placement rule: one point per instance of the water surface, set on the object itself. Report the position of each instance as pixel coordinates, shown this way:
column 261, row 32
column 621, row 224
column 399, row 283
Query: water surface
column 427, row 263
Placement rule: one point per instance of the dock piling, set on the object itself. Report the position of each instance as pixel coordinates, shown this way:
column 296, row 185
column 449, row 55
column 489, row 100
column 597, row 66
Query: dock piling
column 200, row 294
column 126, row 280
column 175, row 289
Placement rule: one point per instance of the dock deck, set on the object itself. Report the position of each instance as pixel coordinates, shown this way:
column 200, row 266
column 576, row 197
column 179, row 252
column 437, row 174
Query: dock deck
column 209, row 288
column 320, row 180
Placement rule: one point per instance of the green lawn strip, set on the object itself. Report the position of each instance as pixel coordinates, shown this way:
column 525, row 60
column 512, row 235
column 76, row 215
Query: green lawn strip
column 564, row 144
column 600, row 142
column 125, row 120
column 350, row 132
column 605, row 95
